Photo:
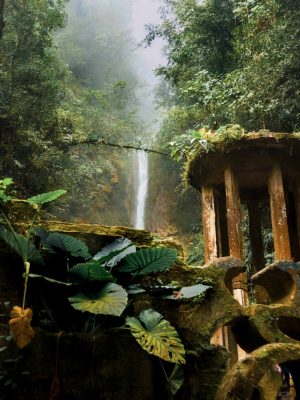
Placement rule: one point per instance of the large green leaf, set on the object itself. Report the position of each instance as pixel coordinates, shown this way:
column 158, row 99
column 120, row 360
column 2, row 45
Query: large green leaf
column 111, row 254
column 187, row 292
column 4, row 183
column 43, row 235
column 68, row 244
column 157, row 336
column 175, row 381
column 111, row 300
column 91, row 271
column 22, row 246
column 149, row 260
column 43, row 198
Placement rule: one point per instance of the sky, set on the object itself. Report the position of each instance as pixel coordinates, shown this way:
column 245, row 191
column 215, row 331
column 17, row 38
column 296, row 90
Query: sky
column 145, row 12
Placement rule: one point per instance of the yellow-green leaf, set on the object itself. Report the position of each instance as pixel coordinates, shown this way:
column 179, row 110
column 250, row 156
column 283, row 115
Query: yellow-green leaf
column 110, row 300
column 157, row 336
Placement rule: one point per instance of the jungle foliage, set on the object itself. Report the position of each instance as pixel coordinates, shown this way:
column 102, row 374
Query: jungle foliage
column 98, row 286
column 229, row 62
column 65, row 75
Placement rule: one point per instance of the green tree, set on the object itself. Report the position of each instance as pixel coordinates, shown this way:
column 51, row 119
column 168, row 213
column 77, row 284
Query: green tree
column 97, row 47
column 231, row 62
column 31, row 75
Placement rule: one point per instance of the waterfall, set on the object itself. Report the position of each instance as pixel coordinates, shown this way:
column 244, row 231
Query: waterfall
column 142, row 188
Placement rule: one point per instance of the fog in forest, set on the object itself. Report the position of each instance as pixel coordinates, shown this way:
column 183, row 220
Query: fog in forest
column 103, row 47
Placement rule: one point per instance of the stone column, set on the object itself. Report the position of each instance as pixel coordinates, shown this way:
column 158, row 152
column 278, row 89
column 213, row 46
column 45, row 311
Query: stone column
column 235, row 236
column 234, row 217
column 297, row 207
column 209, row 223
column 279, row 215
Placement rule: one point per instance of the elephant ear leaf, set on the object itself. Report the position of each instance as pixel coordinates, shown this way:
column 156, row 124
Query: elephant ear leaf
column 150, row 260
column 91, row 271
column 20, row 326
column 157, row 336
column 43, row 198
column 111, row 254
column 68, row 244
column 175, row 381
column 110, row 300
column 22, row 246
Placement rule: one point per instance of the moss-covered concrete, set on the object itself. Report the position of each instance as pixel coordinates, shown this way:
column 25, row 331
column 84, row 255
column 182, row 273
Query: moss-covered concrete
column 101, row 359
column 247, row 375
column 245, row 152
column 195, row 320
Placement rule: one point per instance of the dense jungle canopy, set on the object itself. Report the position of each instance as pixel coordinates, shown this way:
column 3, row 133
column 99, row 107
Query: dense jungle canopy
column 230, row 62
column 67, row 75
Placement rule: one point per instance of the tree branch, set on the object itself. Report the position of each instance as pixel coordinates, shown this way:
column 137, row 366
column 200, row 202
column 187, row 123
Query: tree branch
column 103, row 143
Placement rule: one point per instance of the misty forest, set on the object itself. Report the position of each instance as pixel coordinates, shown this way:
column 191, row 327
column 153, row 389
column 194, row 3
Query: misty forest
column 149, row 199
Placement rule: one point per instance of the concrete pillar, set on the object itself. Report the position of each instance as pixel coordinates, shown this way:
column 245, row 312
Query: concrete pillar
column 279, row 215
column 235, row 236
column 209, row 223
column 234, row 216
column 297, row 208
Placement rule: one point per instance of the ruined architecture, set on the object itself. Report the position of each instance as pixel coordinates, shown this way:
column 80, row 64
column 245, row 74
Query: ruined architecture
column 234, row 334
column 245, row 182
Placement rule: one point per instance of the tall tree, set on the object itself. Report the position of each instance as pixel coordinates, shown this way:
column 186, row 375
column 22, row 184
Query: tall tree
column 232, row 62
column 30, row 74
column 97, row 46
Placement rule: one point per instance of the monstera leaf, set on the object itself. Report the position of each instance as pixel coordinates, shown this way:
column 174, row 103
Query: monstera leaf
column 149, row 260
column 43, row 198
column 22, row 246
column 20, row 326
column 68, row 244
column 91, row 271
column 111, row 300
column 155, row 335
column 114, row 252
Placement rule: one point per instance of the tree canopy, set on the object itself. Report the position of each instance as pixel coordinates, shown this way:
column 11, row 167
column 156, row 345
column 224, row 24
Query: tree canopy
column 66, row 75
column 230, row 62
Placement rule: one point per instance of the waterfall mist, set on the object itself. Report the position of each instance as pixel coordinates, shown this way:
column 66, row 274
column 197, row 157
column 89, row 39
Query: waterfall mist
column 113, row 102
column 142, row 189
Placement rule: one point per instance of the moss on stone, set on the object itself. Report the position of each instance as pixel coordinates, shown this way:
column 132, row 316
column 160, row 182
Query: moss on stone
column 231, row 139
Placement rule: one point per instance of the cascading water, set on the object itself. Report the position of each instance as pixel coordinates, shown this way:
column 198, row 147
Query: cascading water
column 142, row 189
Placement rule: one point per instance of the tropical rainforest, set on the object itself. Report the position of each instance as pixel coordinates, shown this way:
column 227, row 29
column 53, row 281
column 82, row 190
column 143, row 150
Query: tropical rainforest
column 229, row 62
column 68, row 86
column 73, row 123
